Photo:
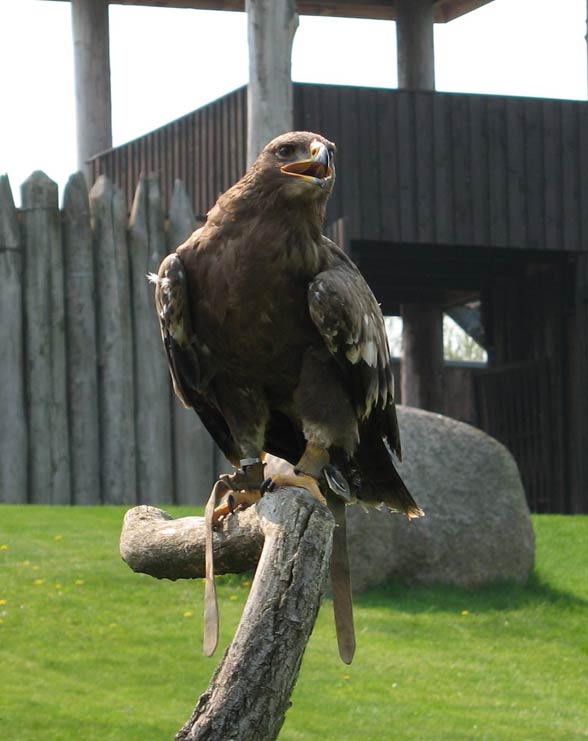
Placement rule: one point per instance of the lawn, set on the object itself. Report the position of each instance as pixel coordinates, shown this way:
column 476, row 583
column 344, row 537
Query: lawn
column 90, row 650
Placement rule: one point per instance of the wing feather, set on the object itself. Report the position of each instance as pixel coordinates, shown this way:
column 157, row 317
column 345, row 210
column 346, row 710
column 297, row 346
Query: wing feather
column 173, row 301
column 348, row 317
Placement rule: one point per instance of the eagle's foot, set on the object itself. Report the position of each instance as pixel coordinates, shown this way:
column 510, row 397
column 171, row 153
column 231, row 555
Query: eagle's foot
column 245, row 486
column 234, row 501
column 301, row 480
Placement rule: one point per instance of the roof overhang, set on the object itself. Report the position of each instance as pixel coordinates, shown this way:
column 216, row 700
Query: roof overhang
column 445, row 10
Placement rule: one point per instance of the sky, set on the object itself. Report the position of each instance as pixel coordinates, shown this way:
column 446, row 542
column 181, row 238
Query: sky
column 167, row 62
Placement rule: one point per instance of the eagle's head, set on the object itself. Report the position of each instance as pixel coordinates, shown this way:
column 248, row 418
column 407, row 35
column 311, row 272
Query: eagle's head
column 299, row 164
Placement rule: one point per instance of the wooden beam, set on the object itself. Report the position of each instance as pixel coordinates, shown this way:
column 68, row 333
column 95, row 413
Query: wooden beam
column 271, row 25
column 443, row 10
column 92, row 80
column 422, row 360
column 415, row 46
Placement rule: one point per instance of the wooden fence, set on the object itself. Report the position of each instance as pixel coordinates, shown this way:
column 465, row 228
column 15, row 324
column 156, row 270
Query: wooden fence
column 85, row 402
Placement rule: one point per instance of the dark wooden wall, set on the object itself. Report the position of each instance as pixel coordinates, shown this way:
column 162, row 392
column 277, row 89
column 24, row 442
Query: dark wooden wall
column 529, row 398
column 413, row 166
column 444, row 168
column 206, row 150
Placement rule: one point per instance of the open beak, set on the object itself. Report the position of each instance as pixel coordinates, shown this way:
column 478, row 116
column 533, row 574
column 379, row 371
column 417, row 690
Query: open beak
column 316, row 170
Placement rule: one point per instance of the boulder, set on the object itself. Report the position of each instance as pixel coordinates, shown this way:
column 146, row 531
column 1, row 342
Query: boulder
column 477, row 528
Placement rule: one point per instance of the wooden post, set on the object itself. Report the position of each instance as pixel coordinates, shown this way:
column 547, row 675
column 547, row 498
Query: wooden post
column 193, row 448
column 249, row 693
column 271, row 26
column 415, row 44
column 114, row 342
column 152, row 389
column 422, row 361
column 81, row 343
column 422, row 357
column 13, row 441
column 49, row 467
column 92, row 80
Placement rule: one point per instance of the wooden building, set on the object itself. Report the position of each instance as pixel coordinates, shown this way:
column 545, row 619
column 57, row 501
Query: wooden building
column 446, row 198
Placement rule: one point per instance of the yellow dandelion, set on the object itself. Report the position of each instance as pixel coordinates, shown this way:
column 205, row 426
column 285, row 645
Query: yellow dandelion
column 2, row 601
column 35, row 568
column 188, row 614
column 233, row 597
column 57, row 586
column 38, row 582
column 78, row 582
column 345, row 677
column 3, row 547
column 465, row 612
column 26, row 563
column 58, row 537
column 246, row 583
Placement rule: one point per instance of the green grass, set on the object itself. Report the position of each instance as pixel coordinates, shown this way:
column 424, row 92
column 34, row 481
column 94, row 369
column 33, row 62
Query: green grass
column 90, row 650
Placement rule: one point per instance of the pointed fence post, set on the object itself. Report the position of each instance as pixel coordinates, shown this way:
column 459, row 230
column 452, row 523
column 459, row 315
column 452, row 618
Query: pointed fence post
column 114, row 343
column 81, row 342
column 152, row 389
column 45, row 343
column 14, row 442
column 193, row 447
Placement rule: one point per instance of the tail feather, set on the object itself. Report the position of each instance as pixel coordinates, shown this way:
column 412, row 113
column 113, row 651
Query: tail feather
column 380, row 481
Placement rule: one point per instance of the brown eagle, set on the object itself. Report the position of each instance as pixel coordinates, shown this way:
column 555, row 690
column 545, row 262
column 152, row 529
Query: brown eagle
column 275, row 339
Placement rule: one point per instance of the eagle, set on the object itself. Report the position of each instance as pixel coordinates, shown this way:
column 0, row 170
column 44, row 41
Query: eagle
column 277, row 342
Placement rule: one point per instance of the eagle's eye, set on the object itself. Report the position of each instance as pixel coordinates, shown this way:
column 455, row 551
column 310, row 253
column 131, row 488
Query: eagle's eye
column 285, row 151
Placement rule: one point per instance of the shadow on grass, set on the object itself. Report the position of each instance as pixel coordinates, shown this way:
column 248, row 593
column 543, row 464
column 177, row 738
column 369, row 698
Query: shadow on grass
column 500, row 596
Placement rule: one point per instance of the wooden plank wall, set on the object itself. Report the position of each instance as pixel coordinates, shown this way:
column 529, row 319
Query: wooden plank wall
column 445, row 168
column 206, row 150
column 85, row 396
column 530, row 390
column 412, row 166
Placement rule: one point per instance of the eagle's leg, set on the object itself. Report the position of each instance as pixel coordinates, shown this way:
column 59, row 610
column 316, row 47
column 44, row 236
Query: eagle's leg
column 245, row 485
column 245, row 410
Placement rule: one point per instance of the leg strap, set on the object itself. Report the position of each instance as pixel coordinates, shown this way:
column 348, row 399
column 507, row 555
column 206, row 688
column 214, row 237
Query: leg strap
column 210, row 601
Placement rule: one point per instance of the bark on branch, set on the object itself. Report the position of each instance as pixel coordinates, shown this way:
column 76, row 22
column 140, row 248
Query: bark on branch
column 249, row 693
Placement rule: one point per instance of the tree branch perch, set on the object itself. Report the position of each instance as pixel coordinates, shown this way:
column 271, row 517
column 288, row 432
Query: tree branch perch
column 249, row 693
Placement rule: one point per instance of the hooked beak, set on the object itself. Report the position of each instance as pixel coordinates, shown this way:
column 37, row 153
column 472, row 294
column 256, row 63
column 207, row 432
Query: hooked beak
column 316, row 170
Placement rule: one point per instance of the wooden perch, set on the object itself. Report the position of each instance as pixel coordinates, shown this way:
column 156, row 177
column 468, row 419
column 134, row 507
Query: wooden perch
column 249, row 693
column 152, row 542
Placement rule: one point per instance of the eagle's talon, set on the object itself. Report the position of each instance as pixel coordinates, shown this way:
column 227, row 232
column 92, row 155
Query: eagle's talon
column 267, row 485
column 337, row 483
column 235, row 501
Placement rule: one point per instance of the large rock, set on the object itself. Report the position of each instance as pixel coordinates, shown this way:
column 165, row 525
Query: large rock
column 476, row 530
